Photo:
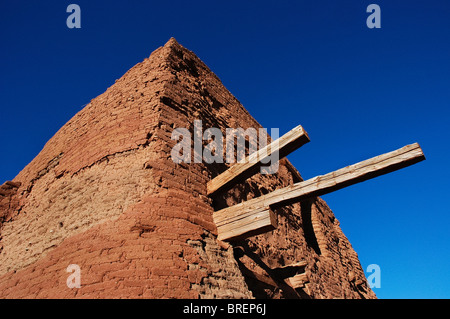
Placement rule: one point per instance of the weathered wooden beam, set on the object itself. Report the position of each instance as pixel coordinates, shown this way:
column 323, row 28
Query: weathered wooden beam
column 242, row 225
column 295, row 266
column 324, row 184
column 286, row 144
column 298, row 281
column 259, row 277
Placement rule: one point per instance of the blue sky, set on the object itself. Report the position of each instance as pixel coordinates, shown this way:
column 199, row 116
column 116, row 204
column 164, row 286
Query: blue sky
column 358, row 92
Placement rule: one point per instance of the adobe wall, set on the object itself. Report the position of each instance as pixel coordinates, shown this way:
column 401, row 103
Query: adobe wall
column 104, row 194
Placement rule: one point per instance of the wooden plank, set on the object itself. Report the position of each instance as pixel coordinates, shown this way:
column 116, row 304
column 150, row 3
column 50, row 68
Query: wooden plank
column 324, row 184
column 264, row 279
column 300, row 264
column 298, row 281
column 241, row 226
column 286, row 144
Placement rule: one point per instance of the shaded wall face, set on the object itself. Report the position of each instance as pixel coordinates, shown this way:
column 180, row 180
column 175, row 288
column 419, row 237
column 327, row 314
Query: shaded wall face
column 306, row 231
column 139, row 225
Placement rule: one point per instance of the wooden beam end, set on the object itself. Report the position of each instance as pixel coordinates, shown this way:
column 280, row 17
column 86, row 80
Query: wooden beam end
column 245, row 224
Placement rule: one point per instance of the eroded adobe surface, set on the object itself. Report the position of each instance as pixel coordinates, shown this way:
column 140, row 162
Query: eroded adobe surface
column 105, row 194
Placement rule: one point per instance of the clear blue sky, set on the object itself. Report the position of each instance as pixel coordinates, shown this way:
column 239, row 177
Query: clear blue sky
column 358, row 92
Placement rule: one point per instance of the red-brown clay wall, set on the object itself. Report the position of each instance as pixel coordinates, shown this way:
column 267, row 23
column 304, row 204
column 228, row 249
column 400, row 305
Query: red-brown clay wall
column 152, row 234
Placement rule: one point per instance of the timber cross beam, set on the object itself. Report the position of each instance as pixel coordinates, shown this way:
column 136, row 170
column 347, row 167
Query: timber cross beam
column 286, row 144
column 255, row 216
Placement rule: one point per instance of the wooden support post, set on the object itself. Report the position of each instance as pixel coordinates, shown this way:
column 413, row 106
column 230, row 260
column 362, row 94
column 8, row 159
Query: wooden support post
column 324, row 184
column 286, row 144
column 237, row 226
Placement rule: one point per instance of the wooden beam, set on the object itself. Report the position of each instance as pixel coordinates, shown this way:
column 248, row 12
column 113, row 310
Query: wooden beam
column 324, row 184
column 264, row 279
column 239, row 226
column 298, row 281
column 291, row 267
column 286, row 144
